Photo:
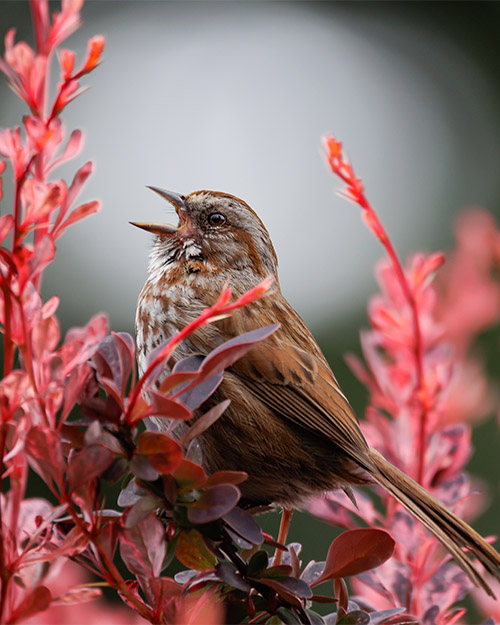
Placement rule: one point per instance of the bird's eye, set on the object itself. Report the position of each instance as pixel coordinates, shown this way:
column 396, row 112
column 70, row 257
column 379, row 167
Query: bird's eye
column 216, row 219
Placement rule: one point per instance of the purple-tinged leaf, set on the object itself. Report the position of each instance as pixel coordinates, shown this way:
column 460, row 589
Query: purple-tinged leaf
column 258, row 563
column 213, row 503
column 189, row 475
column 162, row 406
column 356, row 551
column 107, row 361
column 286, row 557
column 358, row 617
column 125, row 347
column 143, row 547
column 312, row 571
column 383, row 616
column 177, row 378
column 238, row 540
column 188, row 365
column 192, row 552
column 130, row 494
column 108, row 537
column 73, row 387
column 140, row 510
column 287, row 616
column 77, row 595
column 288, row 590
column 205, row 421
column 226, row 354
column 314, row 617
column 141, row 468
column 243, row 523
column 281, row 570
column 87, row 464
column 36, row 601
column 160, row 591
column 231, row 577
column 163, row 452
column 226, row 477
column 107, row 411
column 199, row 392
column 43, row 448
column 291, row 584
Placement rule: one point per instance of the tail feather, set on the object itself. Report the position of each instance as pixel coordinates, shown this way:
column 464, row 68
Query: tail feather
column 452, row 532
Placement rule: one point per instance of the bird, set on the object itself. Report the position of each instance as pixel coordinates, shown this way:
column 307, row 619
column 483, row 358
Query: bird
column 289, row 426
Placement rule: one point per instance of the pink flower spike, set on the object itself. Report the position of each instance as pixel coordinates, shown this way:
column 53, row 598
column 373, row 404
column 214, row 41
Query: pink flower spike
column 41, row 22
column 332, row 146
column 67, row 63
column 68, row 92
column 95, row 46
column 13, row 148
column 2, row 169
column 72, row 149
column 64, row 23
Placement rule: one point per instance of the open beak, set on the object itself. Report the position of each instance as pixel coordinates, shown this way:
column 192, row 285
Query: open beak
column 178, row 203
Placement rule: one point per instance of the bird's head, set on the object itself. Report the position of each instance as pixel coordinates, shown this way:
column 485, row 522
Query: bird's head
column 215, row 227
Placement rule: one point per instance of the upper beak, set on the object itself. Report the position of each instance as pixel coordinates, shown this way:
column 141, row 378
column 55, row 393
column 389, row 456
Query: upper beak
column 178, row 203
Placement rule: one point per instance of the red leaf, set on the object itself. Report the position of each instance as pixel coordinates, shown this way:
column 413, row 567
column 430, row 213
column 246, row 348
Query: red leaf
column 243, row 523
column 73, row 387
column 143, row 547
column 162, row 406
column 163, row 452
column 43, row 448
column 227, row 353
column 356, row 551
column 6, row 223
column 189, row 475
column 37, row 601
column 87, row 464
column 213, row 503
column 205, row 421
column 176, row 378
column 78, row 594
column 73, row 146
column 226, row 477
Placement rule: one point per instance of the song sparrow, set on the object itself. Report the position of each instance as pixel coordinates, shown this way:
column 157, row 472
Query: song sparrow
column 289, row 426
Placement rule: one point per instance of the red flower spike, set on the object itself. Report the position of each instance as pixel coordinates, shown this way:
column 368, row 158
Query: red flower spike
column 95, row 46
column 67, row 63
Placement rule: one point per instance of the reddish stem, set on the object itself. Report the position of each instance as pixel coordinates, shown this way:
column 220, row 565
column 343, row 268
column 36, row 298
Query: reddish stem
column 344, row 171
column 111, row 573
column 4, row 574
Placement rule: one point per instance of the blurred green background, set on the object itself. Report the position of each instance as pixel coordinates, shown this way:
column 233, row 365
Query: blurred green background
column 235, row 96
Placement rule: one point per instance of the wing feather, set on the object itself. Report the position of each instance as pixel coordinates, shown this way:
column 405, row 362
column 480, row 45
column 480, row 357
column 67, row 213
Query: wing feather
column 301, row 387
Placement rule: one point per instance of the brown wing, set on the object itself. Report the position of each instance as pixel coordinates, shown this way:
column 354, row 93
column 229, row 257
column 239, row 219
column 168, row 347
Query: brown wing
column 300, row 386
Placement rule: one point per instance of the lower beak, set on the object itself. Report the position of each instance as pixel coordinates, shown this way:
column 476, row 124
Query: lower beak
column 177, row 202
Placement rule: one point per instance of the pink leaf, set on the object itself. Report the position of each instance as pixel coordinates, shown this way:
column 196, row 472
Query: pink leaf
column 84, row 210
column 36, row 601
column 213, row 503
column 143, row 547
column 162, row 406
column 87, row 464
column 72, row 149
column 163, row 452
column 205, row 421
column 227, row 353
column 43, row 448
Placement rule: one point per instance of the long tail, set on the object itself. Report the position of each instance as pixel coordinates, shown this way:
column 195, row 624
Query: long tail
column 451, row 531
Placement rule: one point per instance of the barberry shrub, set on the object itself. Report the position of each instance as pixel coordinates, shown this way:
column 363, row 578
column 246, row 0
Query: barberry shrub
column 75, row 414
